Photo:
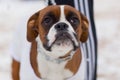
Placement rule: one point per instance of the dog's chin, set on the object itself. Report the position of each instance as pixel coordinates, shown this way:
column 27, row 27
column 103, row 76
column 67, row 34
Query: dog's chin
column 62, row 44
column 61, row 47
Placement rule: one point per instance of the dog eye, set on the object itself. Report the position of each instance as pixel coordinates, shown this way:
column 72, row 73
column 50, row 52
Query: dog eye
column 74, row 20
column 47, row 20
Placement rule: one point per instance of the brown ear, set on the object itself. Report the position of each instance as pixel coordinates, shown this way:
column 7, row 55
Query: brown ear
column 32, row 27
column 85, row 25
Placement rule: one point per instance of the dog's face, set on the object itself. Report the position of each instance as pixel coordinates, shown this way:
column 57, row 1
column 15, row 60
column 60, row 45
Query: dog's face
column 59, row 28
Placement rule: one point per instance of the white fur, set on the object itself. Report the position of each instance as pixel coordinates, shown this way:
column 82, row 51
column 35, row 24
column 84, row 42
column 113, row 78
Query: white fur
column 50, row 70
column 51, row 35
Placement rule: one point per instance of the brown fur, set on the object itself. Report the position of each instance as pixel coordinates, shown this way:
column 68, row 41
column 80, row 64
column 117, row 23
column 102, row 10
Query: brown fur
column 74, row 63
column 15, row 70
column 34, row 26
column 85, row 24
column 82, row 29
column 33, row 58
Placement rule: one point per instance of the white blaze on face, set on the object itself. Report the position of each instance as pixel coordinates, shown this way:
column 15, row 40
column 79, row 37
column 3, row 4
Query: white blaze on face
column 62, row 16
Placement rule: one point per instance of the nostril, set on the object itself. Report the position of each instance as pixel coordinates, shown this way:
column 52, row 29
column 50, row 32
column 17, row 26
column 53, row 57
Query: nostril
column 58, row 26
column 65, row 25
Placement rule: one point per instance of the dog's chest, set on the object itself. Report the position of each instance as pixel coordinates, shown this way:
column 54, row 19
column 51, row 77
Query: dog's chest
column 52, row 70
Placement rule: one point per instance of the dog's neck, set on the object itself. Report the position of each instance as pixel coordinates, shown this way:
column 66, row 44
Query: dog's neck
column 57, row 60
column 51, row 68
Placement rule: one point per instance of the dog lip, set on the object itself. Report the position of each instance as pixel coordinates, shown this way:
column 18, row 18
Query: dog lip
column 48, row 48
column 63, row 35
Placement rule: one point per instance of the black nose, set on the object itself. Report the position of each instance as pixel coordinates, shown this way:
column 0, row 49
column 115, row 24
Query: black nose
column 61, row 26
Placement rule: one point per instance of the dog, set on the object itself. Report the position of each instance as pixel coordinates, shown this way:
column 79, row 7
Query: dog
column 54, row 34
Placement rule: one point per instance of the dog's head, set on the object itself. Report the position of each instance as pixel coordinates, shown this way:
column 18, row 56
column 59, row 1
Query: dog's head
column 60, row 29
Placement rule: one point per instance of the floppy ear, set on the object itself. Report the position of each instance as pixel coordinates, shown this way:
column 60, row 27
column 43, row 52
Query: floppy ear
column 32, row 27
column 85, row 25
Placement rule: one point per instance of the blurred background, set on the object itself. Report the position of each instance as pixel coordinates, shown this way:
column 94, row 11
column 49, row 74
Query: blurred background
column 107, row 19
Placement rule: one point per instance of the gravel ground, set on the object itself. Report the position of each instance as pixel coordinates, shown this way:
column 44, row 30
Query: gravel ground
column 107, row 18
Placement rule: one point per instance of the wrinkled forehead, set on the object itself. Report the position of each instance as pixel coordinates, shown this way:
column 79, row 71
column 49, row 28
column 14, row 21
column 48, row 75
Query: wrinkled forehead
column 58, row 11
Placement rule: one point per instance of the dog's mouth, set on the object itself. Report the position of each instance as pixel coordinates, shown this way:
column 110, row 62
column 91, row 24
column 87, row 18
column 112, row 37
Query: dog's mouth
column 63, row 39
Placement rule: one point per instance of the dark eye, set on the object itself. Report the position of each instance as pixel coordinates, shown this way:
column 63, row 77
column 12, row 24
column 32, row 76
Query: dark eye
column 47, row 20
column 74, row 20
